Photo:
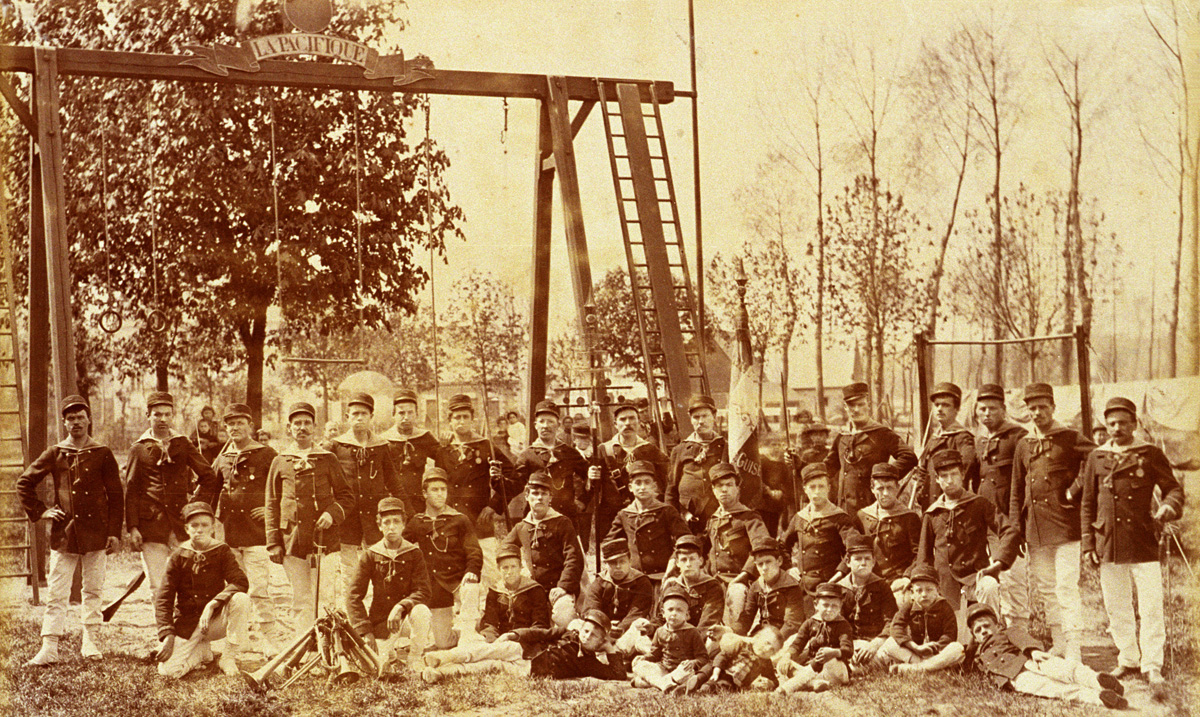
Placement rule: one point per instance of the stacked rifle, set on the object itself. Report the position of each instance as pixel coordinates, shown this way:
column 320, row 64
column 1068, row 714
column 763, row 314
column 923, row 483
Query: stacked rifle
column 330, row 647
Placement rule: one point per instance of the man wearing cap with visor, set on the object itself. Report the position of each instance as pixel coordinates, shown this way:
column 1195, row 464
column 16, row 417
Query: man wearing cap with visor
column 995, row 446
column 687, row 485
column 621, row 591
column 1118, row 519
column 948, row 434
column 369, row 471
column 452, row 555
column 414, row 449
column 307, row 497
column 567, row 470
column 243, row 464
column 86, row 512
column 165, row 471
column 608, row 479
column 862, row 444
column 1044, row 507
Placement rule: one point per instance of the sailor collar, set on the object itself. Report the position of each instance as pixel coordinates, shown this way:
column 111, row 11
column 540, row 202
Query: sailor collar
column 874, row 511
column 231, row 449
column 1055, row 428
column 447, row 512
column 810, row 514
column 737, row 508
column 1136, row 445
column 943, row 504
column 1007, row 427
column 551, row 513
column 847, row 582
column 615, row 441
column 695, row 438
column 295, row 452
column 381, row 548
column 66, row 444
column 785, row 580
column 393, row 434
column 475, row 438
column 652, row 505
column 870, row 425
column 149, row 436
column 348, row 439
column 526, row 584
column 950, row 430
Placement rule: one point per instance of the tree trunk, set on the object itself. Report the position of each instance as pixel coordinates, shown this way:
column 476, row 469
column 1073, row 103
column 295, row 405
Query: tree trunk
column 885, row 407
column 783, row 392
column 939, row 266
column 1194, row 333
column 253, row 334
column 160, row 376
column 820, row 336
column 1173, row 337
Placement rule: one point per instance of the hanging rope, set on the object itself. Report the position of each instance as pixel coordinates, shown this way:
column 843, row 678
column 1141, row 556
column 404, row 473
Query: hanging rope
column 437, row 385
column 275, row 206
column 358, row 244
column 110, row 319
column 504, row 132
column 156, row 320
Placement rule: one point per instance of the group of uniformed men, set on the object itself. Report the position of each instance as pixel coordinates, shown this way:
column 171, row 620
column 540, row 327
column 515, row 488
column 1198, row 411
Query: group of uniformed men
column 997, row 515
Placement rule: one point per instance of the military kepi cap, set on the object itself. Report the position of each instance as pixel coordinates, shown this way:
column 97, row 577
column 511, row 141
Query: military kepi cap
column 674, row 591
column 236, row 410
column 391, row 505
column 946, row 389
column 362, row 399
column 433, row 474
column 1038, row 390
column 622, row 407
column 924, row 572
column 977, row 611
column 196, row 508
column 854, row 391
column 300, row 407
column 829, row 590
column 1119, row 403
column 813, row 471
column 860, row 544
column 404, row 395
column 690, row 542
column 701, row 401
column 540, row 479
column 614, row 548
column 460, row 401
column 549, row 407
column 766, row 546
column 723, row 470
column 946, row 459
column 72, row 402
column 885, row 471
column 991, row 390
column 581, row 429
column 507, row 552
column 637, row 468
column 597, row 618
column 159, row 398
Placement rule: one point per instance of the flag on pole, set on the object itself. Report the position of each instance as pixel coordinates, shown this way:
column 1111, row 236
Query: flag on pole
column 744, row 409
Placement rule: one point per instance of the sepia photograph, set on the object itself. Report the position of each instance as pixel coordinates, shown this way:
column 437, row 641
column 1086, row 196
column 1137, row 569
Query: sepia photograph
column 613, row 357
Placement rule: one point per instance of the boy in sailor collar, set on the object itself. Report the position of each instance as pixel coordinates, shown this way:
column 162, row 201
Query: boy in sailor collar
column 202, row 598
column 414, row 448
column 1118, row 519
column 243, row 464
column 621, row 591
column 165, row 472
column 775, row 598
column 678, row 650
column 369, row 471
column 567, row 469
column 86, row 515
column 954, row 540
column 817, row 534
column 307, row 497
column 894, row 529
column 452, row 554
column 688, row 486
column 395, row 571
column 923, row 636
column 945, row 399
column 820, row 652
column 609, row 479
column 869, row 604
column 861, row 445
column 547, row 539
column 731, row 531
column 705, row 593
column 1044, row 509
column 649, row 526
column 995, row 447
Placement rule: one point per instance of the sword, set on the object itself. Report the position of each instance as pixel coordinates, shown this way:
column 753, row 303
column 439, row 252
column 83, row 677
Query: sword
column 110, row 609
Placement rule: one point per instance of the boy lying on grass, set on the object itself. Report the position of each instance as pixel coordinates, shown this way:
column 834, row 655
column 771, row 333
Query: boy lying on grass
column 742, row 663
column 1011, row 658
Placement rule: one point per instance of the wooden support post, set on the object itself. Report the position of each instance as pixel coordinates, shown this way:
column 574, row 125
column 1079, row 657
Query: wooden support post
column 539, row 315
column 922, row 348
column 39, row 347
column 53, row 199
column 1084, row 363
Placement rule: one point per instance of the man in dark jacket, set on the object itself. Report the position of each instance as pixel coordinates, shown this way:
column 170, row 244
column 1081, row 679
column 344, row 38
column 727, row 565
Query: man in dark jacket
column 567, row 470
column 452, row 554
column 608, row 484
column 1118, row 521
column 688, row 484
column 995, row 446
column 1044, row 507
column 86, row 514
column 243, row 464
column 622, row 592
column 395, row 571
column 859, row 447
column 1011, row 658
column 413, row 449
column 948, row 434
column 165, row 472
column 202, row 598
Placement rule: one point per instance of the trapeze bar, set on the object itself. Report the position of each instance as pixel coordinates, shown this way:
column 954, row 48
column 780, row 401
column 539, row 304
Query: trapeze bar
column 290, row 359
column 995, row 342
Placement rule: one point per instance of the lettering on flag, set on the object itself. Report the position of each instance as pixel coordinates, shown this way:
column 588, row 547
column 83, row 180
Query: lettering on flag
column 244, row 57
column 743, row 414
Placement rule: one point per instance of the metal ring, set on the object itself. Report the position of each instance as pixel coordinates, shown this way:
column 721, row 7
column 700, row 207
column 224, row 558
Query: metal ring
column 110, row 321
column 156, row 321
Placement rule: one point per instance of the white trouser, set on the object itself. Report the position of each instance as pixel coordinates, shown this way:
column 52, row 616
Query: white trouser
column 1143, row 647
column 1014, row 586
column 834, row 672
column 490, row 575
column 348, row 558
column 659, row 676
column 58, row 582
column 1059, row 679
column 508, row 651
column 154, row 561
column 1055, row 573
column 256, row 562
column 735, row 602
column 303, row 578
column 229, row 623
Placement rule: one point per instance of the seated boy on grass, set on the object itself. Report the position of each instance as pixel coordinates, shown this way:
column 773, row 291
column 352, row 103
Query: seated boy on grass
column 741, row 664
column 1013, row 659
column 394, row 569
column 869, row 605
column 923, row 634
column 555, row 652
column 775, row 598
column 677, row 651
column 515, row 602
column 820, row 654
column 622, row 592
column 548, row 540
column 202, row 598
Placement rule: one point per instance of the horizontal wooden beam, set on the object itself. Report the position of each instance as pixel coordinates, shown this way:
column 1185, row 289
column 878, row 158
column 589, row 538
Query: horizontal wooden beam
column 314, row 75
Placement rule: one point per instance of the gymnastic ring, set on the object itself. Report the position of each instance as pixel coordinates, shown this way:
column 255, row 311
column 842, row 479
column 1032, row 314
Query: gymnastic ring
column 156, row 321
column 110, row 321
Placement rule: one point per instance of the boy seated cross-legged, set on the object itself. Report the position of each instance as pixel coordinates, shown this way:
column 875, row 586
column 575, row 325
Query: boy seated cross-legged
column 820, row 653
column 1011, row 658
column 924, row 633
column 395, row 571
column 775, row 598
column 550, row 545
column 678, row 650
column 869, row 605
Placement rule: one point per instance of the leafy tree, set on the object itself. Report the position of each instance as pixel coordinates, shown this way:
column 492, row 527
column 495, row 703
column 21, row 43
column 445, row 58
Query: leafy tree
column 190, row 190
column 484, row 334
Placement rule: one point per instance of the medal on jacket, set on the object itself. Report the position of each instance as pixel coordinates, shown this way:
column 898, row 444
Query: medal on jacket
column 409, row 451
